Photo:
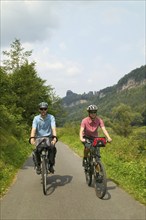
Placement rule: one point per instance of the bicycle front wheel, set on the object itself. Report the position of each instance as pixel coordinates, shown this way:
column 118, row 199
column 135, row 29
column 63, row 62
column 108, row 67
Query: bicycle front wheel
column 44, row 176
column 100, row 182
column 88, row 174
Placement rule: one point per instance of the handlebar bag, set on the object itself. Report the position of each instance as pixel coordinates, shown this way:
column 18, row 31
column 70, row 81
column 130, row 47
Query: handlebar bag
column 99, row 141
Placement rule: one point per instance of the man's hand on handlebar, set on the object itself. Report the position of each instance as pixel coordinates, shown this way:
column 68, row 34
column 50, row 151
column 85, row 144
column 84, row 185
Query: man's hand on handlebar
column 32, row 141
column 54, row 140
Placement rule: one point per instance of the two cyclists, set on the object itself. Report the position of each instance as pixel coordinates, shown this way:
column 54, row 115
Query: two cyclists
column 89, row 128
column 44, row 124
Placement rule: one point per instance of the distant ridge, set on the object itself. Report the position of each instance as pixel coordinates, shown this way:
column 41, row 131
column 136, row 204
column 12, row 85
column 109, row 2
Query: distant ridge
column 133, row 79
column 130, row 90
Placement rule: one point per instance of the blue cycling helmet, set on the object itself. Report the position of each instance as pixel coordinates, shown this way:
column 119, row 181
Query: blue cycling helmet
column 43, row 105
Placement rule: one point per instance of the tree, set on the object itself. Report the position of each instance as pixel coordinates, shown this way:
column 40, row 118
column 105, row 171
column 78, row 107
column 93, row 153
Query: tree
column 25, row 89
column 29, row 90
column 5, row 87
column 137, row 119
column 122, row 118
column 144, row 115
column 16, row 57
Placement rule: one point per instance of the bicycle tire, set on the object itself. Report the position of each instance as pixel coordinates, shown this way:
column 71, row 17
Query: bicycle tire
column 100, row 181
column 44, row 176
column 88, row 174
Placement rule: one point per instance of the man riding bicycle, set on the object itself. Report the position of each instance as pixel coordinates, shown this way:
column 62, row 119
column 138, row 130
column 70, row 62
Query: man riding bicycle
column 89, row 128
column 44, row 124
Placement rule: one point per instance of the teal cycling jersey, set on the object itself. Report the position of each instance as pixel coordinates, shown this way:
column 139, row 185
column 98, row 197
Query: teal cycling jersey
column 44, row 126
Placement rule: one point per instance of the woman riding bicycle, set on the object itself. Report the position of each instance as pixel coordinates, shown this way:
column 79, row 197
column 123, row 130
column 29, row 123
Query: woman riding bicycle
column 89, row 127
column 44, row 125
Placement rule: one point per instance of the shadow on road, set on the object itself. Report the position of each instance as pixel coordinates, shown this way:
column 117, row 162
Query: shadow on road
column 112, row 187
column 55, row 181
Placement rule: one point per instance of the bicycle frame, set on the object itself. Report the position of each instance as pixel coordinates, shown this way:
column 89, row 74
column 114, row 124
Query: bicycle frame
column 44, row 155
column 94, row 157
column 96, row 168
column 43, row 149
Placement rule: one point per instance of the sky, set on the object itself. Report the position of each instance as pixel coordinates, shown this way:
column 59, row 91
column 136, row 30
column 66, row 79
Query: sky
column 77, row 45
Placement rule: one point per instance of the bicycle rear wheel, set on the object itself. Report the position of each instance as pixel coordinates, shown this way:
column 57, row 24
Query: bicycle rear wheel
column 100, row 182
column 44, row 176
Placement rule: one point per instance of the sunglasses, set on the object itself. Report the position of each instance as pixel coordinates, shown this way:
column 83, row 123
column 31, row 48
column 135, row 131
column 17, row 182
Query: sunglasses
column 92, row 112
column 43, row 109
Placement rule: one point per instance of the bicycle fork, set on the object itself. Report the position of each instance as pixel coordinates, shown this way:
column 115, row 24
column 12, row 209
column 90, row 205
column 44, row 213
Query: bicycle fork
column 44, row 157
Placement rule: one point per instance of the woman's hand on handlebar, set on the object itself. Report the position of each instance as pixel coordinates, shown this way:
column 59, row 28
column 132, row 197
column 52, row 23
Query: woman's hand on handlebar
column 82, row 139
column 109, row 140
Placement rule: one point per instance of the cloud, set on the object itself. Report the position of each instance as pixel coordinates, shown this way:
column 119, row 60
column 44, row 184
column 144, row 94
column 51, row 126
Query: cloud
column 27, row 20
column 55, row 66
column 63, row 46
column 73, row 70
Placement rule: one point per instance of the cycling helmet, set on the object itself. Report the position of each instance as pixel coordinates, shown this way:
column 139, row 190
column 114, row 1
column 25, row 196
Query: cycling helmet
column 43, row 105
column 92, row 108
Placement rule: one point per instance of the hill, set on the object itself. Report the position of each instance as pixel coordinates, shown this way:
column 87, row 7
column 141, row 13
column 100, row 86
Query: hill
column 129, row 90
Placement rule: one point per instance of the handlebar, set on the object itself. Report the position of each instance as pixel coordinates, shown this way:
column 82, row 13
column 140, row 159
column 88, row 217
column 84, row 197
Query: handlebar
column 44, row 137
column 96, row 141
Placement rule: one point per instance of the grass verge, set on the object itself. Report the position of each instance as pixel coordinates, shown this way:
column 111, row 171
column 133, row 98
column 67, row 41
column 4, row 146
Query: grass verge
column 124, row 159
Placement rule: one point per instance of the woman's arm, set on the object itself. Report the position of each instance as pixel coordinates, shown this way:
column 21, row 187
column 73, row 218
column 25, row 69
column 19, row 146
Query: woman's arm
column 106, row 134
column 81, row 134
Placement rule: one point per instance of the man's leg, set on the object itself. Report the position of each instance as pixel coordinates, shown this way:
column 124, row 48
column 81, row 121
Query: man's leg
column 52, row 155
column 37, row 160
column 86, row 152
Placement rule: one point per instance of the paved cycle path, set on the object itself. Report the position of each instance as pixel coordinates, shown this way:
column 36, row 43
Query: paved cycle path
column 68, row 196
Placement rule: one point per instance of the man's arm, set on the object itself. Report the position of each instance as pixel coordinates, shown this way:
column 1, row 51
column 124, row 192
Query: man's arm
column 54, row 133
column 32, row 134
column 106, row 134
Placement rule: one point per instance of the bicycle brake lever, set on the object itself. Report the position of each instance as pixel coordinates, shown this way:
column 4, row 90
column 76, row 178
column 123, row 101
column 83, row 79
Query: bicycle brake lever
column 88, row 141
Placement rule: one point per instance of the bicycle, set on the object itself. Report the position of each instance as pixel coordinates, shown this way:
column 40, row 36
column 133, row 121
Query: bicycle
column 94, row 166
column 43, row 149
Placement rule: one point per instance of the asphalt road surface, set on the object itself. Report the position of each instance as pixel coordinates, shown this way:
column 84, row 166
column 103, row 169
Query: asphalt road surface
column 68, row 196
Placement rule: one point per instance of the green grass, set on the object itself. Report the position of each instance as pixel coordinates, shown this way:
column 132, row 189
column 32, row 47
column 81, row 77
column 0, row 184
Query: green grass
column 13, row 153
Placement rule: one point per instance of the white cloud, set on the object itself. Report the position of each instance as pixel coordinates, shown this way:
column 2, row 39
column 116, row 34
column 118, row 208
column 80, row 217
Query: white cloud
column 62, row 46
column 55, row 66
column 73, row 71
